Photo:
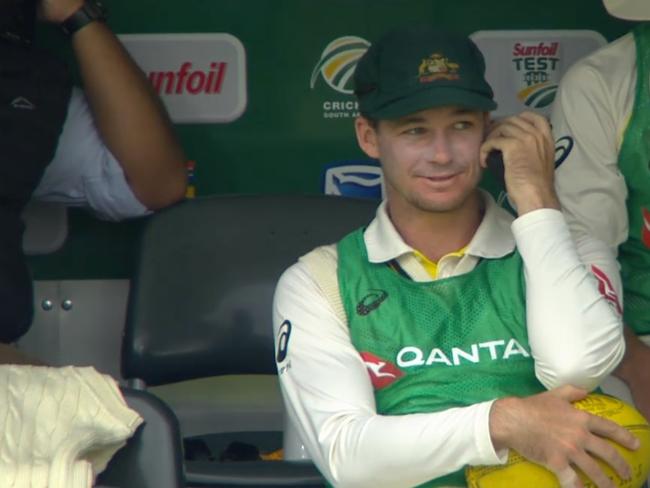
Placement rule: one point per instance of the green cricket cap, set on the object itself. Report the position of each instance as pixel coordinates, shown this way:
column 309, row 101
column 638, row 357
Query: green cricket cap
column 414, row 69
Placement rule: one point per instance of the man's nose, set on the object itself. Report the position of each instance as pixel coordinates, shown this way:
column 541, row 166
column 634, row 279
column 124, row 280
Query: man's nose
column 439, row 150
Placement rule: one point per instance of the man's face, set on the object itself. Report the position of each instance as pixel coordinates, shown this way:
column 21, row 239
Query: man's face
column 430, row 159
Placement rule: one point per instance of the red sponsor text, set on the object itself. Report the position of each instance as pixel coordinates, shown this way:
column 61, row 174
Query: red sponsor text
column 189, row 80
column 540, row 49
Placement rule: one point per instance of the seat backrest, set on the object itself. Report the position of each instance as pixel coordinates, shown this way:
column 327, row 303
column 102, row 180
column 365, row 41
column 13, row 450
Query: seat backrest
column 201, row 297
column 152, row 458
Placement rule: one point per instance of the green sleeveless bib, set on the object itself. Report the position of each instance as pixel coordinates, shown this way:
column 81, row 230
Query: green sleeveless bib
column 634, row 163
column 432, row 346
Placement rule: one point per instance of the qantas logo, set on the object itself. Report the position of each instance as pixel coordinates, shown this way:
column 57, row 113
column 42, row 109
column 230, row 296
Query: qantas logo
column 382, row 373
column 606, row 289
column 645, row 233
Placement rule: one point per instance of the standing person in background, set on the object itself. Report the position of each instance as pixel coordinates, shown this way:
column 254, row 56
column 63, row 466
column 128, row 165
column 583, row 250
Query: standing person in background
column 112, row 150
column 601, row 118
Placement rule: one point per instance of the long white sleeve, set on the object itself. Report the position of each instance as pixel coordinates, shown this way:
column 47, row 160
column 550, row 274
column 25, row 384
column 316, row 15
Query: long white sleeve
column 574, row 330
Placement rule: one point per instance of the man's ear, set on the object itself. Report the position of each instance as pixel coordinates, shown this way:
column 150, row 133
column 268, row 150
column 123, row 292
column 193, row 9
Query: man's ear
column 487, row 123
column 367, row 137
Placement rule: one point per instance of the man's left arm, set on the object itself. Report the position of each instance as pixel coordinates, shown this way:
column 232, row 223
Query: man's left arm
column 575, row 332
column 129, row 116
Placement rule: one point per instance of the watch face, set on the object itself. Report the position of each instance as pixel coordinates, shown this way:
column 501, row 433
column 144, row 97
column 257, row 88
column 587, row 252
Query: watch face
column 17, row 21
column 95, row 9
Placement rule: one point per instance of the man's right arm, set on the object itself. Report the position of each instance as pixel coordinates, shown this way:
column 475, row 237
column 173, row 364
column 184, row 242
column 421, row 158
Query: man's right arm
column 548, row 430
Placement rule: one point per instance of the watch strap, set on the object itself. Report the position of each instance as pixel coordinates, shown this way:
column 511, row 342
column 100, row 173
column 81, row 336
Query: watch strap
column 90, row 11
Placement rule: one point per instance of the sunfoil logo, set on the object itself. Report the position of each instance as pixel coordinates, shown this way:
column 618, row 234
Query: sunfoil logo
column 537, row 66
column 188, row 79
column 338, row 62
column 200, row 77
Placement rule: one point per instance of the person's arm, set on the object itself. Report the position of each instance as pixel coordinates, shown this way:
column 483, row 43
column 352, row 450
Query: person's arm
column 546, row 429
column 589, row 115
column 575, row 334
column 129, row 116
column 329, row 398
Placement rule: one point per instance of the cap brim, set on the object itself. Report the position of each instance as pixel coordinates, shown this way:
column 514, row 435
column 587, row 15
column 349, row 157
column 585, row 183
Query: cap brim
column 628, row 9
column 432, row 98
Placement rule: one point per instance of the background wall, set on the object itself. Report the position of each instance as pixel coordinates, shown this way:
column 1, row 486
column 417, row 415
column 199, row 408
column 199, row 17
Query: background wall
column 283, row 140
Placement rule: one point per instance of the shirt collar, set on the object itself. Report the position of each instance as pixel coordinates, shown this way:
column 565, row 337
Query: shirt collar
column 493, row 238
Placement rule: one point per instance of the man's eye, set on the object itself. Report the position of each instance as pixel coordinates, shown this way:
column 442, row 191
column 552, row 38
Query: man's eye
column 415, row 131
column 462, row 125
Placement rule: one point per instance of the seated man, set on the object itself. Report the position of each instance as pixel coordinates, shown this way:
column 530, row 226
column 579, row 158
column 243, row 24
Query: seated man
column 427, row 341
column 114, row 151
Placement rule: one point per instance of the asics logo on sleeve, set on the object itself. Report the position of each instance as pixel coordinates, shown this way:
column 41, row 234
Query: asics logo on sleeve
column 284, row 333
column 382, row 373
column 606, row 289
column 563, row 147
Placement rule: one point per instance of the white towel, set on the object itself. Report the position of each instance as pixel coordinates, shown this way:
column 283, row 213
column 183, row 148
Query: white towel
column 59, row 427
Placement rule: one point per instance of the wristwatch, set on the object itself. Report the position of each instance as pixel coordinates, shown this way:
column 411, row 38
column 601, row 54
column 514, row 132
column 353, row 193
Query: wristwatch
column 90, row 11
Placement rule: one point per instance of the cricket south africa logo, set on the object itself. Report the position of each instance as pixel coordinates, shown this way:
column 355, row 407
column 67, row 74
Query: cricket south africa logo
column 537, row 71
column 336, row 67
column 338, row 62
